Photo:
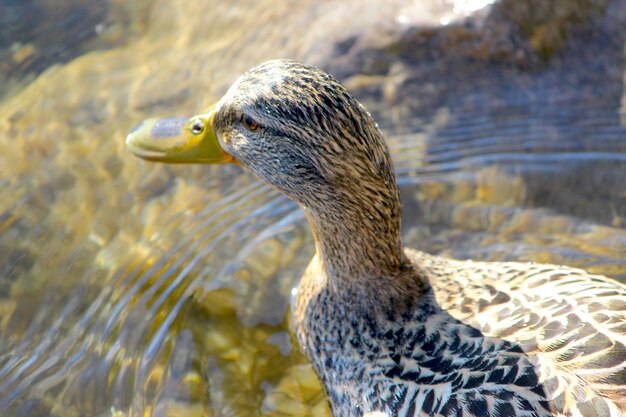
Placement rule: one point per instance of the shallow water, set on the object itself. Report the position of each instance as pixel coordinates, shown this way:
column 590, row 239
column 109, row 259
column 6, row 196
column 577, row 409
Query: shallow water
column 129, row 288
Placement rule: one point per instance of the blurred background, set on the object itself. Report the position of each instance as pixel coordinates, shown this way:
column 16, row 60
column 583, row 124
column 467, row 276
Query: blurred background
column 137, row 289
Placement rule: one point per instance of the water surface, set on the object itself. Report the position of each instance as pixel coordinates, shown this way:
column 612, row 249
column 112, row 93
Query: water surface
column 129, row 288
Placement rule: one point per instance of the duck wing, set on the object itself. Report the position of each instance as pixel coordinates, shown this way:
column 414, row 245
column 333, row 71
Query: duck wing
column 573, row 322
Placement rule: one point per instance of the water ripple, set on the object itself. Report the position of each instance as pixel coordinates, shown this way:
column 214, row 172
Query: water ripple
column 472, row 187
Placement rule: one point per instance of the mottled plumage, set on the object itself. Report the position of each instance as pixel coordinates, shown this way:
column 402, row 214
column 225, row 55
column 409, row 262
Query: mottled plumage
column 396, row 332
column 490, row 339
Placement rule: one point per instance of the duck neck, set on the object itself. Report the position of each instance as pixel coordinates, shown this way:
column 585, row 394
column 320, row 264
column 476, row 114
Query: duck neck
column 357, row 234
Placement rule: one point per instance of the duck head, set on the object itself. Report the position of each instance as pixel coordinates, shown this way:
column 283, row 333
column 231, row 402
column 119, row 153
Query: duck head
column 298, row 129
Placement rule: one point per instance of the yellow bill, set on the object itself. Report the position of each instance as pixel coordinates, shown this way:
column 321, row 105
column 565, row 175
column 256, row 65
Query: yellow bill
column 178, row 141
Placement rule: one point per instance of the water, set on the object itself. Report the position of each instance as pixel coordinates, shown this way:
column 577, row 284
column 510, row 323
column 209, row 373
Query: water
column 129, row 288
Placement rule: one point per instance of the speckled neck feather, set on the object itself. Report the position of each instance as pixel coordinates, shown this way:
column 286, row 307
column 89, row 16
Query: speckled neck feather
column 357, row 228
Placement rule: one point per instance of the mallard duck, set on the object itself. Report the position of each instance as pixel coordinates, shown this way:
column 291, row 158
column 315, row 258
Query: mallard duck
column 392, row 331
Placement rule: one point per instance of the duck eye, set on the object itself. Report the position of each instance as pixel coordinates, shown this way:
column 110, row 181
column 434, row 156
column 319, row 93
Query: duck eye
column 249, row 122
column 197, row 127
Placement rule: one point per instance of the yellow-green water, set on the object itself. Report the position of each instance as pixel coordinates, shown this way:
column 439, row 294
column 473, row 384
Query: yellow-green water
column 129, row 288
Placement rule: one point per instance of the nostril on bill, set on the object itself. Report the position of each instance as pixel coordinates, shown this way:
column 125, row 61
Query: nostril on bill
column 164, row 128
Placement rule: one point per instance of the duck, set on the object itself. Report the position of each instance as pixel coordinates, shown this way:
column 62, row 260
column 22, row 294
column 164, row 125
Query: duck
column 392, row 331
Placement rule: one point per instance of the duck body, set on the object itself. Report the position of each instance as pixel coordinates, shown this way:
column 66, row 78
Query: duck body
column 393, row 332
column 487, row 339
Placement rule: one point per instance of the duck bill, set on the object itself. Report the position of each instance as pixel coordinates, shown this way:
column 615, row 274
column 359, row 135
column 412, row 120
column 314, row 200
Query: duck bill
column 178, row 141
